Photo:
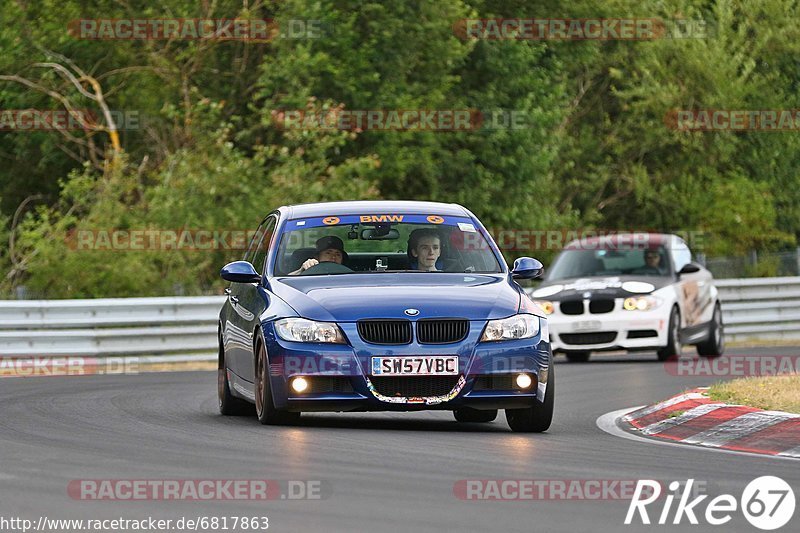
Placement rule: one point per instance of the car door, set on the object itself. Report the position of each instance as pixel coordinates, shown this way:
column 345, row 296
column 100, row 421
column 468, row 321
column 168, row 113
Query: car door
column 694, row 289
column 235, row 338
column 248, row 301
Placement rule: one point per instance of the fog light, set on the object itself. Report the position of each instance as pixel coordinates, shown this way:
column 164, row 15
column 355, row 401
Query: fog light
column 299, row 384
column 524, row 381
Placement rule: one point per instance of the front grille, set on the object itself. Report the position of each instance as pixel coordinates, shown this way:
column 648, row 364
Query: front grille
column 572, row 307
column 329, row 384
column 406, row 386
column 494, row 382
column 642, row 333
column 601, row 337
column 441, row 331
column 385, row 331
column 601, row 306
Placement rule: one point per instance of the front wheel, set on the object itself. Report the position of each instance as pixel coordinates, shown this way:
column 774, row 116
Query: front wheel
column 537, row 418
column 714, row 345
column 468, row 414
column 673, row 347
column 265, row 407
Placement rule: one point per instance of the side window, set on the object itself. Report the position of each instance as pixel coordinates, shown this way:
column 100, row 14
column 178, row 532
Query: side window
column 681, row 255
column 251, row 249
column 261, row 250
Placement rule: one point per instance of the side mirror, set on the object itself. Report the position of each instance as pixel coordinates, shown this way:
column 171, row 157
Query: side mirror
column 690, row 268
column 240, row 272
column 527, row 268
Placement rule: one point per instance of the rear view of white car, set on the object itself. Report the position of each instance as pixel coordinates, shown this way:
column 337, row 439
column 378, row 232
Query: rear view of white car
column 634, row 292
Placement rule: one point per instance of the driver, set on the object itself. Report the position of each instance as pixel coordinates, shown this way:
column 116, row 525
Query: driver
column 652, row 262
column 330, row 249
column 425, row 246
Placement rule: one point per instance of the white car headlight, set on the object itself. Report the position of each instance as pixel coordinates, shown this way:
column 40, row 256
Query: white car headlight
column 304, row 330
column 641, row 303
column 514, row 327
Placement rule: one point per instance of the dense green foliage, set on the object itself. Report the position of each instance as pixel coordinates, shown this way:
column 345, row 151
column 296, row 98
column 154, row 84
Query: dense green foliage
column 596, row 150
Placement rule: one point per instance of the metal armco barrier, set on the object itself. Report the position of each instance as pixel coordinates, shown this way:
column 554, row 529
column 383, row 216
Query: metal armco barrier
column 761, row 309
column 119, row 326
column 754, row 310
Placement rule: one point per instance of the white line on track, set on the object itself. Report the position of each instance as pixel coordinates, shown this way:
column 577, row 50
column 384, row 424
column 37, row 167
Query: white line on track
column 608, row 423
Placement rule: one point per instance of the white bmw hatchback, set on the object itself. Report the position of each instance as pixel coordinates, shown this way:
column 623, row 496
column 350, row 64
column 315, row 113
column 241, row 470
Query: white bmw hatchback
column 634, row 292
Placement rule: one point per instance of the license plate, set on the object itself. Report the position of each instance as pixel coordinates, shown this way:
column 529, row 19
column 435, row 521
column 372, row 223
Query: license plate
column 586, row 325
column 433, row 365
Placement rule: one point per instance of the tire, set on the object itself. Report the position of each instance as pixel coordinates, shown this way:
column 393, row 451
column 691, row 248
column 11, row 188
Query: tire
column 229, row 405
column 468, row 414
column 578, row 357
column 673, row 347
column 265, row 408
column 537, row 418
column 715, row 344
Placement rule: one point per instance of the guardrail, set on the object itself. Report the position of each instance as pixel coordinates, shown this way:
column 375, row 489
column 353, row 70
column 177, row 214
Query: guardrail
column 123, row 326
column 761, row 309
column 757, row 310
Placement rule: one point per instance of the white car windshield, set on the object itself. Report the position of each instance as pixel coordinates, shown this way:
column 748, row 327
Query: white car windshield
column 589, row 263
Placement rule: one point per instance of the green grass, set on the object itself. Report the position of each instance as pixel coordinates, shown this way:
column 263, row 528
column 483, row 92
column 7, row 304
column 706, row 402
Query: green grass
column 779, row 393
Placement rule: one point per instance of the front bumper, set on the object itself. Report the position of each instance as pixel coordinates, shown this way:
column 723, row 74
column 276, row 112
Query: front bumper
column 616, row 330
column 348, row 367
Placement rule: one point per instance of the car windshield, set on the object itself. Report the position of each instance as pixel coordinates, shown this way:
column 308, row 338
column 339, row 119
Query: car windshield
column 588, row 263
column 383, row 243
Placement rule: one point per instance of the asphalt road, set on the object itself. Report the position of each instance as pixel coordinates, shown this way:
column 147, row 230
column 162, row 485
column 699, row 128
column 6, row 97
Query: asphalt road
column 380, row 472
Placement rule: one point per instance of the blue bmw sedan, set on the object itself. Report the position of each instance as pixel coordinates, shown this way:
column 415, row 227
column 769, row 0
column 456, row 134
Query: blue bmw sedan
column 382, row 306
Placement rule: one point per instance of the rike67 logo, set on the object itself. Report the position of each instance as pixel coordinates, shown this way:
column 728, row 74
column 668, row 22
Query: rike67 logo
column 767, row 503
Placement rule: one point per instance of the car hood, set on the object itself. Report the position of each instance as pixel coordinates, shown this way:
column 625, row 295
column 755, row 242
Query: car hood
column 350, row 297
column 609, row 286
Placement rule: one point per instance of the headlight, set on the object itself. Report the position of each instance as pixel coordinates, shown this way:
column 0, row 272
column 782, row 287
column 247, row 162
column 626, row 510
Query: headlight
column 545, row 306
column 511, row 328
column 641, row 303
column 303, row 330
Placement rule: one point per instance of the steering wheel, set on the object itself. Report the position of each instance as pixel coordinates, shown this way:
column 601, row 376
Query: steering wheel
column 327, row 267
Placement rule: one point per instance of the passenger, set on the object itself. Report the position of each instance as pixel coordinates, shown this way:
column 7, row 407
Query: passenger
column 425, row 246
column 330, row 249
